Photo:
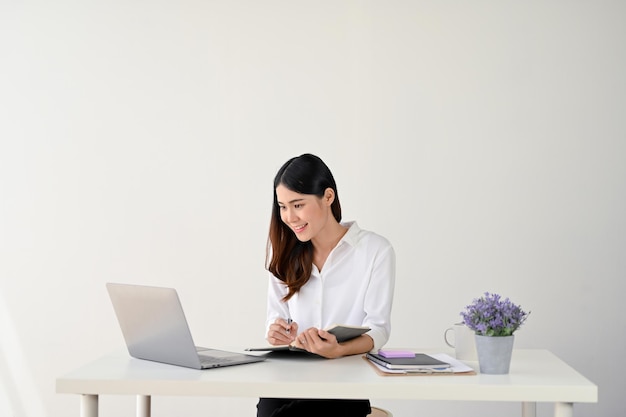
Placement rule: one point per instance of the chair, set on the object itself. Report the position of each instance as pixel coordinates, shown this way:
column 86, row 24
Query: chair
column 379, row 412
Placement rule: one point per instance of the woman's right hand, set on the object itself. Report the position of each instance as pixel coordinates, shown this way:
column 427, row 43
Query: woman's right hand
column 282, row 333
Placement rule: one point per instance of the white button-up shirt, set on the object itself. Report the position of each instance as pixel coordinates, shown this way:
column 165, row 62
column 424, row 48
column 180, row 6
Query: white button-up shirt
column 355, row 287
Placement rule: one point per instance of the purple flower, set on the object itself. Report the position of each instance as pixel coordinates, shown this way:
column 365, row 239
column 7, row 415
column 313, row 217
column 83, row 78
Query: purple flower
column 489, row 315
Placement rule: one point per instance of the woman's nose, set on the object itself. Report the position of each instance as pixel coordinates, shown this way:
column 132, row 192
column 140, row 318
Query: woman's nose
column 289, row 216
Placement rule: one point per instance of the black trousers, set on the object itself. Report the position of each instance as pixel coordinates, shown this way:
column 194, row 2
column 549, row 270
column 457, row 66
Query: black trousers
column 291, row 407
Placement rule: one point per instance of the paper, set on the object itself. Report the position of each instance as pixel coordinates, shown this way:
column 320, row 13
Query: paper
column 457, row 365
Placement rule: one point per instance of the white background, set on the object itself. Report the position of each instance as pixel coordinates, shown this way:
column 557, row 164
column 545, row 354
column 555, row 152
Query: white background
column 139, row 140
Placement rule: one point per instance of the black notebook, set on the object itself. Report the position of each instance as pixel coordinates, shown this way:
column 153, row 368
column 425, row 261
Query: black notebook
column 420, row 361
column 343, row 332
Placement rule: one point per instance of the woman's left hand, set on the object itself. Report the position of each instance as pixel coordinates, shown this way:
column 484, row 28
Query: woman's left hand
column 320, row 342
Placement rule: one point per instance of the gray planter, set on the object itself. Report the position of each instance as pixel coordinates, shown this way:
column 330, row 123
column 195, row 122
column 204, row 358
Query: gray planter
column 494, row 353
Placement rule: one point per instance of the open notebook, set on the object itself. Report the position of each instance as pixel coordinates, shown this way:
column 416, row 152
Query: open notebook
column 342, row 332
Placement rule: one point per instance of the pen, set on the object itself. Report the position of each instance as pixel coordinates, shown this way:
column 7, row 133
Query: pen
column 289, row 323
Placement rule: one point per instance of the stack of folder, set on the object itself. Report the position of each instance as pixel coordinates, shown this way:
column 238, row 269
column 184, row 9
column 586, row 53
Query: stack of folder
column 408, row 362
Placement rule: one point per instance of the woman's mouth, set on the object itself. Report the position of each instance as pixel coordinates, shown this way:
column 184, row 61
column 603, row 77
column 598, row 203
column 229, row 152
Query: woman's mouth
column 300, row 228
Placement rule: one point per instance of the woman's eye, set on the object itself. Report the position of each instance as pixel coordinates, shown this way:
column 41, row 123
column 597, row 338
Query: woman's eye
column 297, row 205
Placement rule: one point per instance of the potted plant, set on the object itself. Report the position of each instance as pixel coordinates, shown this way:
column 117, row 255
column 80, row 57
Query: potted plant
column 494, row 321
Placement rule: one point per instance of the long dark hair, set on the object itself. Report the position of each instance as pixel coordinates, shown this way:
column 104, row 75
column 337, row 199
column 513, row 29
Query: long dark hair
column 289, row 259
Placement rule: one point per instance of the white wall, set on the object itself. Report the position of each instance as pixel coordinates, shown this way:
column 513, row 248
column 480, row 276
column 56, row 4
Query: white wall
column 139, row 139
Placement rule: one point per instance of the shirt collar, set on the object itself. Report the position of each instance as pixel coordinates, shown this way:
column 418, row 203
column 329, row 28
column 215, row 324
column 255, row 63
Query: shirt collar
column 352, row 235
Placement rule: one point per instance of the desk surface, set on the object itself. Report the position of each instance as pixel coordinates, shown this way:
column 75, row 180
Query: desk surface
column 535, row 375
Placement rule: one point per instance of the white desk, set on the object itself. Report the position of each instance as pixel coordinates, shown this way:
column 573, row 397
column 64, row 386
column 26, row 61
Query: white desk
column 535, row 376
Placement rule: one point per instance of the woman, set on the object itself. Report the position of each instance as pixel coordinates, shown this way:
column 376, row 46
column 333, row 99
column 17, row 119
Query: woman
column 322, row 272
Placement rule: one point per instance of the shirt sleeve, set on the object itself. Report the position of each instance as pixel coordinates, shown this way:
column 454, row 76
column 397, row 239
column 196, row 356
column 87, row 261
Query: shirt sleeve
column 276, row 308
column 379, row 297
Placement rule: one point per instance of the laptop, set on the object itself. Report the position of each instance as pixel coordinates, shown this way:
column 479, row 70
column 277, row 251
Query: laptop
column 155, row 328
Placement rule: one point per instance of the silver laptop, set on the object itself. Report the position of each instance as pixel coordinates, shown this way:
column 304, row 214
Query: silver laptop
column 155, row 329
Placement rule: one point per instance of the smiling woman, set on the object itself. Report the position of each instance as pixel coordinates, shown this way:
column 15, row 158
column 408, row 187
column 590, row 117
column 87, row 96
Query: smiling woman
column 302, row 187
column 322, row 272
column 308, row 218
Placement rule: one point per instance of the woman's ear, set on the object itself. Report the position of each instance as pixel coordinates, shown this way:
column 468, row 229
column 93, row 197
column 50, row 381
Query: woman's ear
column 329, row 196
